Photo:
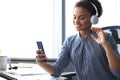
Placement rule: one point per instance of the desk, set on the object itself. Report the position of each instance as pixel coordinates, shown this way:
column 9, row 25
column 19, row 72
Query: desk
column 33, row 73
column 43, row 77
column 31, row 77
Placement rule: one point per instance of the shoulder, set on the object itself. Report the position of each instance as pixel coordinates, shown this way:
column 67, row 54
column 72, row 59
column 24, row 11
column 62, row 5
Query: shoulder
column 71, row 39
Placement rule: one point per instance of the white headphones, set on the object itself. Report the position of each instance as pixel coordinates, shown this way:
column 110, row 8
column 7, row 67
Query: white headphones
column 94, row 18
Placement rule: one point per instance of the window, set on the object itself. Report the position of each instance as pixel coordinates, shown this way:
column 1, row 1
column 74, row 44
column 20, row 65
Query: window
column 23, row 22
column 70, row 29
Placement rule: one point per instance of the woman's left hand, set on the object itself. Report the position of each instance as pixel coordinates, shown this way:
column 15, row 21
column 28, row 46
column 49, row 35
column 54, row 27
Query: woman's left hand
column 101, row 39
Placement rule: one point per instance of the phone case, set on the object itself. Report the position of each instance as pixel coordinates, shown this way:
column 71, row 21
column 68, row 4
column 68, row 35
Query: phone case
column 40, row 46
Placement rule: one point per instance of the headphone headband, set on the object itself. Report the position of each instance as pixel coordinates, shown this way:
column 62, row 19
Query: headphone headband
column 94, row 18
column 94, row 8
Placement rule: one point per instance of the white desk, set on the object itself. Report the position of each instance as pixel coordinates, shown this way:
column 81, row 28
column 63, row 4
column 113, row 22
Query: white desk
column 43, row 77
column 34, row 73
column 32, row 77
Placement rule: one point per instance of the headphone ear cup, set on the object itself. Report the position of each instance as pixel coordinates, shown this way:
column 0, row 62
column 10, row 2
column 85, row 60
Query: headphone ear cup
column 94, row 19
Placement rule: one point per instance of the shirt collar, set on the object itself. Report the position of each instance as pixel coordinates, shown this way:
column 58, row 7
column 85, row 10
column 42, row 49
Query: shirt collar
column 79, row 39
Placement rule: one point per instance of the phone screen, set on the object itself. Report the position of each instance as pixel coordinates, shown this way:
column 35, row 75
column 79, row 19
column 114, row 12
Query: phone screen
column 40, row 46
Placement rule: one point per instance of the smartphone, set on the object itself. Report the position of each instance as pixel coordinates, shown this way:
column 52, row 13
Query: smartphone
column 40, row 46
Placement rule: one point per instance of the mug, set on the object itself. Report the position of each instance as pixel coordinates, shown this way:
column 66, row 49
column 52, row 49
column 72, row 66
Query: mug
column 3, row 62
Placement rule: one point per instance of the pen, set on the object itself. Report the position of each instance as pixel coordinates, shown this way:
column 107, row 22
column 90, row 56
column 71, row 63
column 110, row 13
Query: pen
column 24, row 66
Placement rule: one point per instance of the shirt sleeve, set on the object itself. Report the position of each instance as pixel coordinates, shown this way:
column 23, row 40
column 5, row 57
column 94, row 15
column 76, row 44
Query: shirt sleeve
column 114, row 46
column 63, row 60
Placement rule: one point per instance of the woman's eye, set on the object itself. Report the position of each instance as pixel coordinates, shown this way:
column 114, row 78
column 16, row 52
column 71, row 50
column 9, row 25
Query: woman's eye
column 81, row 18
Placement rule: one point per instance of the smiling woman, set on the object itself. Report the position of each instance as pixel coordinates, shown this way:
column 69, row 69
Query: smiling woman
column 23, row 22
column 107, row 19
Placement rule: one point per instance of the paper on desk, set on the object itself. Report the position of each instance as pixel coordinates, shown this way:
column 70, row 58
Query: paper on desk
column 34, row 73
column 34, row 70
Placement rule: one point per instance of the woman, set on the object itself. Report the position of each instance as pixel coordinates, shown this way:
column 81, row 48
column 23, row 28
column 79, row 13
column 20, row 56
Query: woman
column 92, row 52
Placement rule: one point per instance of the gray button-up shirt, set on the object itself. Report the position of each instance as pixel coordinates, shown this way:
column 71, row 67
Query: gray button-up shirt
column 88, row 58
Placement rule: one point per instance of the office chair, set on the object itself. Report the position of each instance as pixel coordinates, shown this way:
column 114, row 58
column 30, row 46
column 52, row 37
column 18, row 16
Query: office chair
column 115, row 31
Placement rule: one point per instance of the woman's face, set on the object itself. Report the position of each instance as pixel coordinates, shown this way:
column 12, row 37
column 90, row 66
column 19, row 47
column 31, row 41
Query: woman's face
column 81, row 19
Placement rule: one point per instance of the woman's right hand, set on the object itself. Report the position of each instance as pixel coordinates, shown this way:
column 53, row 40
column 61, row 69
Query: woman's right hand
column 40, row 57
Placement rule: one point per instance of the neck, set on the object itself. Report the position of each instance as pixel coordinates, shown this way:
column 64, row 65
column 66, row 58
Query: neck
column 84, row 34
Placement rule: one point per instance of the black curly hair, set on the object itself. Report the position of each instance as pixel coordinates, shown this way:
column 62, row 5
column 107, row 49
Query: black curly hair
column 88, row 4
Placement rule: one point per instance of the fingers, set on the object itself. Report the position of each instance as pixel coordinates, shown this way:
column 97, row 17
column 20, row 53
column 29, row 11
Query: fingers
column 39, row 51
column 95, row 29
column 40, row 58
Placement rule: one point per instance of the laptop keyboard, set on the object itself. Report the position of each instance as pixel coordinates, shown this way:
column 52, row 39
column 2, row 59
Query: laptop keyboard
column 7, row 77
